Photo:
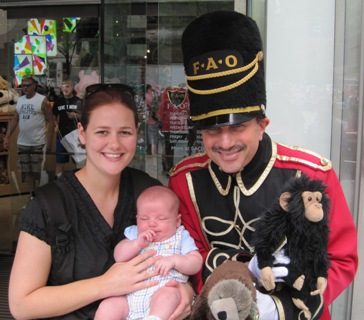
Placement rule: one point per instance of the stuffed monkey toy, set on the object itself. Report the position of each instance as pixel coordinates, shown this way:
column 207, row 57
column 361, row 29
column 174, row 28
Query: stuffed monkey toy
column 297, row 224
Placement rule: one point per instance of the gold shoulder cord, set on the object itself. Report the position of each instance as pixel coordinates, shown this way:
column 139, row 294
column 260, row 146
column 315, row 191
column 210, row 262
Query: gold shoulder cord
column 192, row 165
column 326, row 164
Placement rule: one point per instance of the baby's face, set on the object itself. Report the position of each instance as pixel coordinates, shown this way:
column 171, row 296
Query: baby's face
column 157, row 216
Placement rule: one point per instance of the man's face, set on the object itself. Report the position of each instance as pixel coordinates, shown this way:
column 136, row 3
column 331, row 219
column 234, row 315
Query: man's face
column 28, row 86
column 233, row 147
column 67, row 89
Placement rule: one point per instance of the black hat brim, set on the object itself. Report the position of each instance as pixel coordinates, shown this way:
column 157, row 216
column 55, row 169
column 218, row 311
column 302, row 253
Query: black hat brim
column 223, row 120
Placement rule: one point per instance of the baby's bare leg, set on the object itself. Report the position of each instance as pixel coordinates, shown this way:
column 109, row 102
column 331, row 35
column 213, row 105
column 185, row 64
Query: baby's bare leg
column 113, row 308
column 164, row 302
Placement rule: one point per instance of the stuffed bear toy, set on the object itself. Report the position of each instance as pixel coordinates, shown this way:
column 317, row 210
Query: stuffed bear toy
column 297, row 224
column 229, row 293
column 8, row 96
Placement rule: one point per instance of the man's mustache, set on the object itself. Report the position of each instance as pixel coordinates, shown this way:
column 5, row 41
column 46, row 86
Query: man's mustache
column 236, row 148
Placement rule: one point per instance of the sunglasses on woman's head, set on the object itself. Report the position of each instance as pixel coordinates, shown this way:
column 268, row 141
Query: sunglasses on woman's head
column 97, row 87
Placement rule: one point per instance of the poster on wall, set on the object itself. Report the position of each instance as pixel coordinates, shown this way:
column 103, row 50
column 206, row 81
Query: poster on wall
column 39, row 63
column 23, row 65
column 36, row 47
column 70, row 24
column 46, row 28
column 31, row 45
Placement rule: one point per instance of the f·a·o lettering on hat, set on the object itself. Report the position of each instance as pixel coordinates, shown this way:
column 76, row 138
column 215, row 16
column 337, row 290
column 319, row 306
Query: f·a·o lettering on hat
column 223, row 61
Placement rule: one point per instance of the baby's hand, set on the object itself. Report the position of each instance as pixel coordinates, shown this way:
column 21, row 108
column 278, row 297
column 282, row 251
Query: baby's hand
column 164, row 265
column 145, row 238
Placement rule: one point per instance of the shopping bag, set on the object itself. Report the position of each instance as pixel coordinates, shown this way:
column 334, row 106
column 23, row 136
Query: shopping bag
column 71, row 143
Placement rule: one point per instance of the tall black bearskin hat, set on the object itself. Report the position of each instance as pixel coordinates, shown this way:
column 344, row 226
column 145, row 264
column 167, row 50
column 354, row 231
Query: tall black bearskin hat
column 223, row 61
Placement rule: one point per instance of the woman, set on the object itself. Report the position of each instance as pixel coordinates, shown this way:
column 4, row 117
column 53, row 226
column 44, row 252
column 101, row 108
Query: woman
column 103, row 195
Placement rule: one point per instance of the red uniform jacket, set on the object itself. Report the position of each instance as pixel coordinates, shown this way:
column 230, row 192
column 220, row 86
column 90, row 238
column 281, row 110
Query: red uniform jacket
column 273, row 164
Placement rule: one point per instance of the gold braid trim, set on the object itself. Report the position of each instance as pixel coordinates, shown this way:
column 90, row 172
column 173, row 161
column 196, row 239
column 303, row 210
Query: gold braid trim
column 218, row 185
column 177, row 169
column 279, row 306
column 263, row 176
column 326, row 167
column 326, row 164
column 258, row 57
column 191, row 190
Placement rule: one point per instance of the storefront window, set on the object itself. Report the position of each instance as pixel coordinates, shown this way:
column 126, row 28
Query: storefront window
column 51, row 46
column 142, row 49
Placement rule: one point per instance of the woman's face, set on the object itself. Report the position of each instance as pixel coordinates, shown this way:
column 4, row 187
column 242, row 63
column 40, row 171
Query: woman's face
column 110, row 138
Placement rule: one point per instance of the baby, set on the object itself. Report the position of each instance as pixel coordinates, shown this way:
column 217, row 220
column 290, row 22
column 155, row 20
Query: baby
column 158, row 228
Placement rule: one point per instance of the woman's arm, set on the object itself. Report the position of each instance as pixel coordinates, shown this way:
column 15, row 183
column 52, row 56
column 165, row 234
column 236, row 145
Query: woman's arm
column 30, row 297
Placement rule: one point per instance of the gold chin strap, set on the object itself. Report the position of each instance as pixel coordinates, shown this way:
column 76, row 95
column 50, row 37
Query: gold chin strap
column 254, row 64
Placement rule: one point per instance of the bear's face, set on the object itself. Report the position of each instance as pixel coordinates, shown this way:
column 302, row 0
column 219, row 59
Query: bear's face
column 230, row 299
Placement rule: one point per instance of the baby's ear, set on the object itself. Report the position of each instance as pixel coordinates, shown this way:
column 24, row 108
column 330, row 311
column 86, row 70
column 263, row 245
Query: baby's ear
column 178, row 220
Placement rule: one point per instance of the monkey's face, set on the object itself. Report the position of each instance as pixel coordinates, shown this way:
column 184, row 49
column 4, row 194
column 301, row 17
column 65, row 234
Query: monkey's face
column 313, row 205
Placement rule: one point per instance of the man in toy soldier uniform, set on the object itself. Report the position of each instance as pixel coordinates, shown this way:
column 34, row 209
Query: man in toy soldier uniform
column 225, row 190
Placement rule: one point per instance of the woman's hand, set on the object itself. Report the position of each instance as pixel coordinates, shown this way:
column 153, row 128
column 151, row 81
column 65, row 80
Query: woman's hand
column 126, row 277
column 184, row 308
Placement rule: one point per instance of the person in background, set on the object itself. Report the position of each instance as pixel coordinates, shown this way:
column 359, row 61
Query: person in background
column 158, row 228
column 49, row 280
column 224, row 191
column 52, row 96
column 36, row 127
column 67, row 113
column 152, row 106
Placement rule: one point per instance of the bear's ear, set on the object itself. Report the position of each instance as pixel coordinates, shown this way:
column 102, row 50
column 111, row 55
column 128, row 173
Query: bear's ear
column 199, row 308
column 283, row 200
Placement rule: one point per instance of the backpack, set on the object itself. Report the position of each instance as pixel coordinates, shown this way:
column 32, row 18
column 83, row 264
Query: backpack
column 60, row 229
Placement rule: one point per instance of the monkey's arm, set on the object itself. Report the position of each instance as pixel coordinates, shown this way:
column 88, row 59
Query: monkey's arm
column 267, row 279
column 321, row 286
column 269, row 237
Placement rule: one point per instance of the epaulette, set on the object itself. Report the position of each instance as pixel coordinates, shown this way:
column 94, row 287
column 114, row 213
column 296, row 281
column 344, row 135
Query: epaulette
column 297, row 155
column 190, row 163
